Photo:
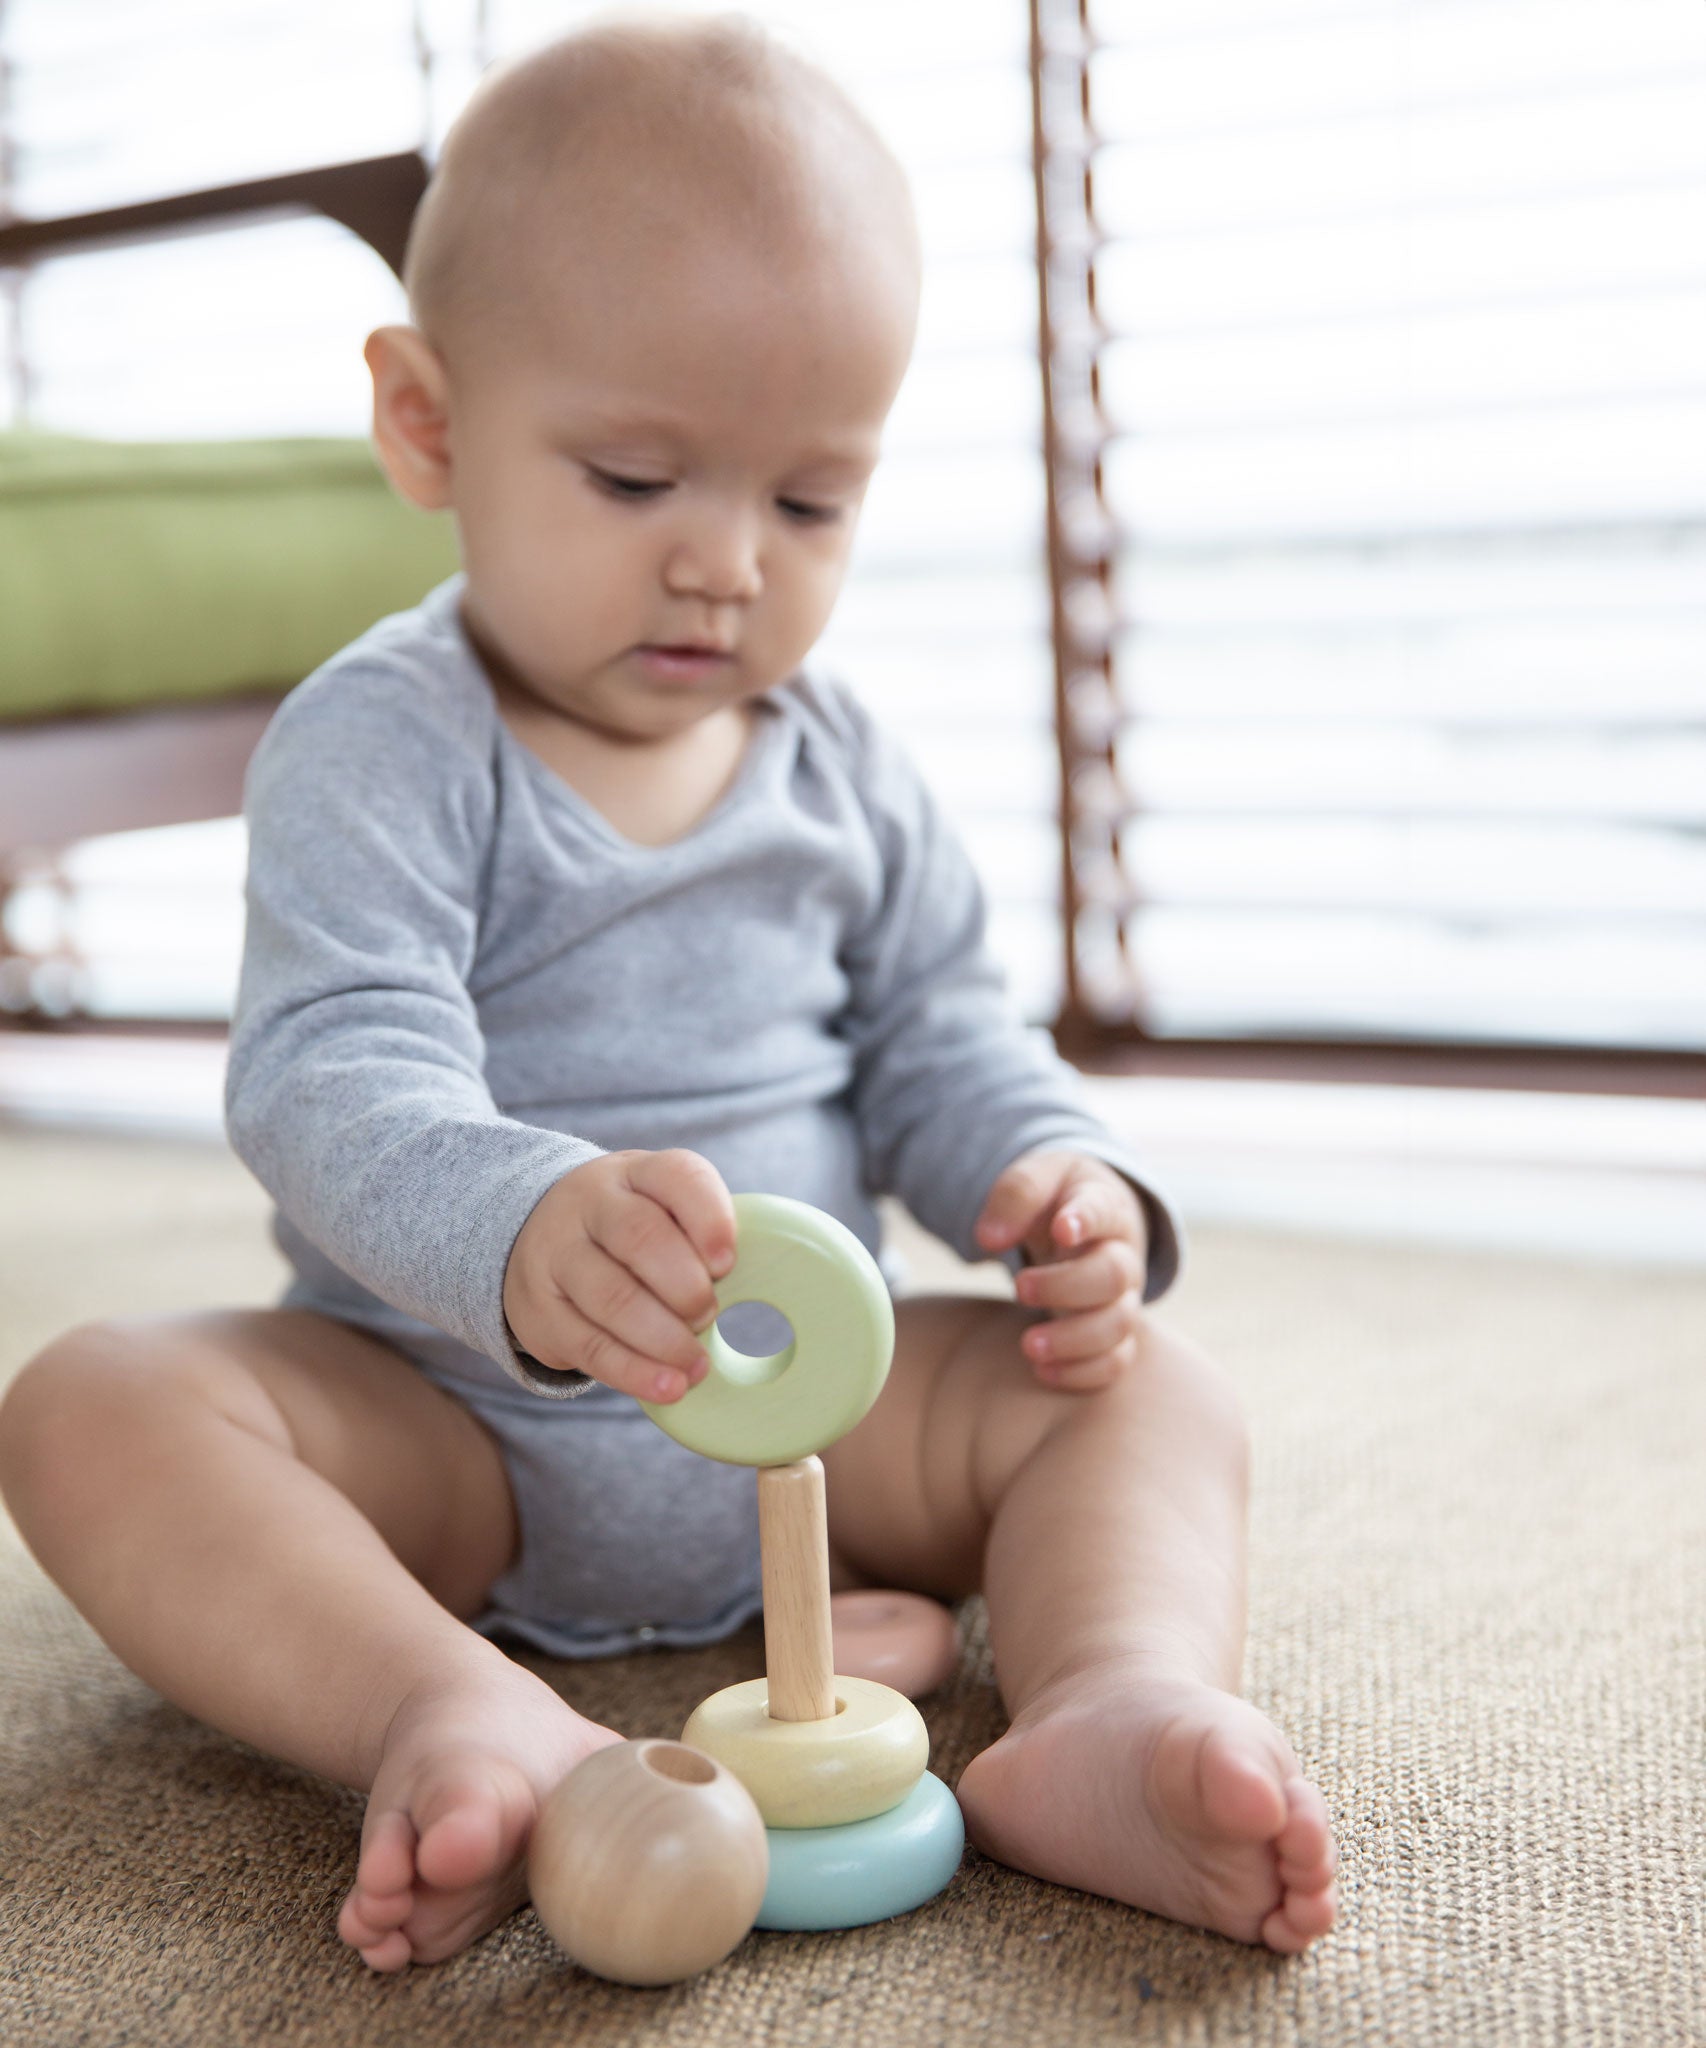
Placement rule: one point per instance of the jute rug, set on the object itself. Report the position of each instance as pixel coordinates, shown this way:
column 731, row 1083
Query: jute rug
column 1479, row 1607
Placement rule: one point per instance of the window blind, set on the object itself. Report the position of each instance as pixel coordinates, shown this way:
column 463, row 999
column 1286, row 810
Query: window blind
column 1381, row 339
column 235, row 330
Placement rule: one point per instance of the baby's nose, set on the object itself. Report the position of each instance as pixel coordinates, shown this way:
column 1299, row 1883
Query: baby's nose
column 718, row 560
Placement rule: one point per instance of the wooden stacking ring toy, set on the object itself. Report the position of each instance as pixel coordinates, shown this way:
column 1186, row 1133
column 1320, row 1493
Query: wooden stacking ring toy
column 772, row 1411
column 835, row 1765
column 648, row 1862
column 899, row 1639
column 861, row 1761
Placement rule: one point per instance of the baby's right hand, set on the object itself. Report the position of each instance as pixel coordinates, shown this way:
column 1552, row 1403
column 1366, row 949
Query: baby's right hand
column 612, row 1272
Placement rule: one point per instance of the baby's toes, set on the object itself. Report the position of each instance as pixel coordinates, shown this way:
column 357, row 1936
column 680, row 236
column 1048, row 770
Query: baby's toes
column 1306, row 1857
column 373, row 1927
column 1299, row 1919
column 1240, row 1792
column 368, row 1915
column 387, row 1861
column 383, row 1894
column 473, row 1822
column 390, row 1953
column 1305, row 1844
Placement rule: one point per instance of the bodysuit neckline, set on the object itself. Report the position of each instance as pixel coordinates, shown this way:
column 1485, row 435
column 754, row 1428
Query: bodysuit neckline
column 444, row 605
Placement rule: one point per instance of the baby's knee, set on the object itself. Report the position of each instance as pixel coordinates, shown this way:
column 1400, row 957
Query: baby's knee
column 1167, row 1389
column 38, row 1423
column 1164, row 1373
column 88, row 1388
column 1172, row 1372
column 1168, row 1385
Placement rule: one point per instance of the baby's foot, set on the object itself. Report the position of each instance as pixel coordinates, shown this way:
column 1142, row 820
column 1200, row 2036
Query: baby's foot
column 1168, row 1794
column 444, row 1843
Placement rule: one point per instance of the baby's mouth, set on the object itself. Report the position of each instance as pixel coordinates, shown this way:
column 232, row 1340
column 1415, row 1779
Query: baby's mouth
column 685, row 661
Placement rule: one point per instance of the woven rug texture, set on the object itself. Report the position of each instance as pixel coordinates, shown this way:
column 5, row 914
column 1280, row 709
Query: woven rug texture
column 1478, row 1607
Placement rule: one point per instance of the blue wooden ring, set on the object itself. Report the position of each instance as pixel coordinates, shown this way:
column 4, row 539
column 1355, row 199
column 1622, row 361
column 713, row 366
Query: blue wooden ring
column 869, row 1869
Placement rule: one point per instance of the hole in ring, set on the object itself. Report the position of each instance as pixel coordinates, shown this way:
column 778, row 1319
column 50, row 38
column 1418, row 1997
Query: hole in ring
column 675, row 1760
column 840, row 1708
column 751, row 1342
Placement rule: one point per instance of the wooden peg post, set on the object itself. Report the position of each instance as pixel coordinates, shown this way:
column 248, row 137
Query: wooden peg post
column 793, row 1536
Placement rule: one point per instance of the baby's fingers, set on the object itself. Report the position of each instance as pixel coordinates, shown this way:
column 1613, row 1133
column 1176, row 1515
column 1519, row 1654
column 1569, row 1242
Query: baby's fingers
column 585, row 1347
column 1090, row 1279
column 694, row 1194
column 612, row 1299
column 642, row 1233
column 1083, row 1351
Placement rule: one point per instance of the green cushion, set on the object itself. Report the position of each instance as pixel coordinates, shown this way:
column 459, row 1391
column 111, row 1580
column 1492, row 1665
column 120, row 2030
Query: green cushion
column 136, row 573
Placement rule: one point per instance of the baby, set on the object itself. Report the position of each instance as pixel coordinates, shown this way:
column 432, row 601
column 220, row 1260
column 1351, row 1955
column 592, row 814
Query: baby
column 576, row 902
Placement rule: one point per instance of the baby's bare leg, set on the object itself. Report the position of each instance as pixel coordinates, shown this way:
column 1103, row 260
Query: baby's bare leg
column 276, row 1521
column 1107, row 1531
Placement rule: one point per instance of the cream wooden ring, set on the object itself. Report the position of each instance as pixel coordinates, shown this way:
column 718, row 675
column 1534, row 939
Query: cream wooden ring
column 816, row 1774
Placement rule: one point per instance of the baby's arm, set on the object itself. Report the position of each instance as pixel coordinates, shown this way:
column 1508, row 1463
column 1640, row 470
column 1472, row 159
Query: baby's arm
column 357, row 1090
column 952, row 1094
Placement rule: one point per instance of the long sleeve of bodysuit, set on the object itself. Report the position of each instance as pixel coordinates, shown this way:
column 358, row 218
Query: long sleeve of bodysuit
column 356, row 1091
column 948, row 1088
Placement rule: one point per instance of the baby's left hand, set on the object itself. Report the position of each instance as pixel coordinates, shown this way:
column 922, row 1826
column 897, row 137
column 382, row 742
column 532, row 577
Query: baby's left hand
column 1083, row 1228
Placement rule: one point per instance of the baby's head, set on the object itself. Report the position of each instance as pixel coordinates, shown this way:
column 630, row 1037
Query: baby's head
column 664, row 284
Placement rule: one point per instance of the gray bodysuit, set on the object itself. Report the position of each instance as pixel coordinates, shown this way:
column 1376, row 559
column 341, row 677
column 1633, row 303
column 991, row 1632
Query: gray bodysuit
column 460, row 982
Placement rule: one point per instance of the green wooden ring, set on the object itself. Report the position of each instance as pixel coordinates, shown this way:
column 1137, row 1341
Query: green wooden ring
column 770, row 1411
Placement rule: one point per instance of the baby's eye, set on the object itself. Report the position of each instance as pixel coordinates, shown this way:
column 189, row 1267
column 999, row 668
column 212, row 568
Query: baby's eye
column 634, row 489
column 809, row 515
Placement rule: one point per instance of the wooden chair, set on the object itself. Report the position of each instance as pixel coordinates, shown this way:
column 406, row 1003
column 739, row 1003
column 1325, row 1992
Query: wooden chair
column 68, row 777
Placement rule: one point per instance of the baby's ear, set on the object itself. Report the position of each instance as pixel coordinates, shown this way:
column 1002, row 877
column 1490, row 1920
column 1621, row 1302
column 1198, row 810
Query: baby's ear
column 411, row 414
